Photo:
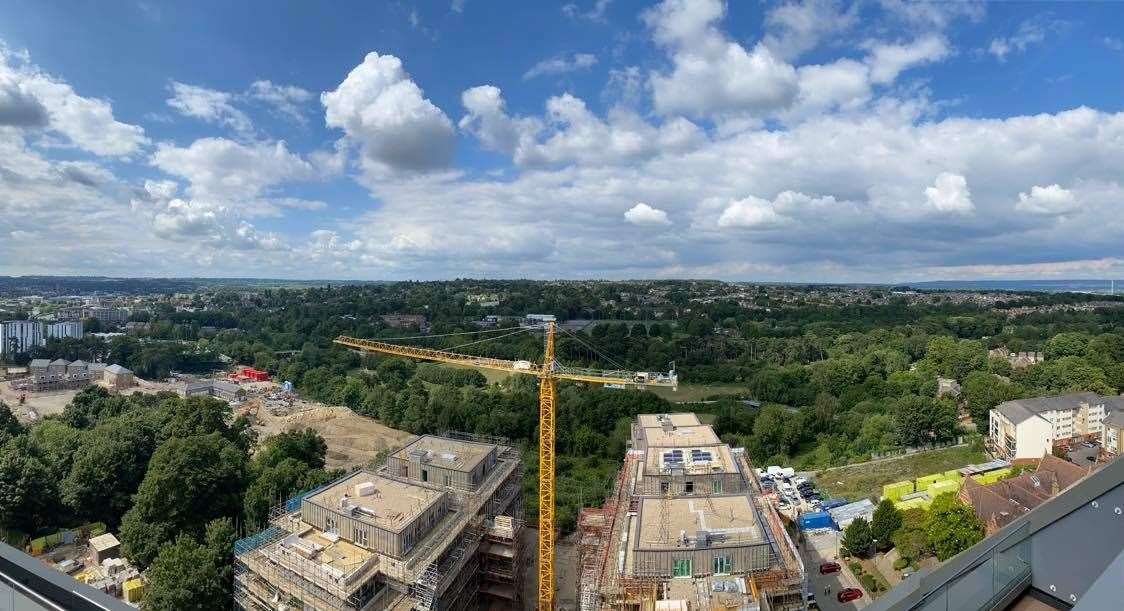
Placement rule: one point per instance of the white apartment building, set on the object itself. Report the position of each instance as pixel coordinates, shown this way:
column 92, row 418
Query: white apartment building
column 71, row 328
column 1028, row 428
column 19, row 336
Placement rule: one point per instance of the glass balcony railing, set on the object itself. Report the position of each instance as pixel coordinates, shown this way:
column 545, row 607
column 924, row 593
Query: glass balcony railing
column 992, row 576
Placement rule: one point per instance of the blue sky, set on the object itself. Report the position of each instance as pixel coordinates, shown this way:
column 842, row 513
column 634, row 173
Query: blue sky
column 817, row 140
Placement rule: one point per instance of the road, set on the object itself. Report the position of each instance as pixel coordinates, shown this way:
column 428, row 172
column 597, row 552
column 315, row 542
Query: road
column 821, row 548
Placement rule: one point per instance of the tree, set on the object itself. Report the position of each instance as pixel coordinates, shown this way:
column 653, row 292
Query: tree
column 188, row 574
column 857, row 537
column 106, row 470
column 951, row 526
column 924, row 420
column 189, row 481
column 9, row 426
column 910, row 538
column 983, row 391
column 1066, row 344
column 28, row 488
column 886, row 521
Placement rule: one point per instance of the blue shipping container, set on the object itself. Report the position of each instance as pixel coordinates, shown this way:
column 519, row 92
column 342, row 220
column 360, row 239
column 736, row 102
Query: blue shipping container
column 817, row 519
column 833, row 503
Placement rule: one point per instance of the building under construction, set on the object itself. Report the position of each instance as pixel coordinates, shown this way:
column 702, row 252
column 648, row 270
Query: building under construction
column 686, row 528
column 437, row 527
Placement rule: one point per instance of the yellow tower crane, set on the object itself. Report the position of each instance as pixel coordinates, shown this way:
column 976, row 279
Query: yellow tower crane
column 549, row 372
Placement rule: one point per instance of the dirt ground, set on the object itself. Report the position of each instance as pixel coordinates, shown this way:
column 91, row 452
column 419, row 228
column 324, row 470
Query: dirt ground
column 38, row 405
column 565, row 572
column 352, row 439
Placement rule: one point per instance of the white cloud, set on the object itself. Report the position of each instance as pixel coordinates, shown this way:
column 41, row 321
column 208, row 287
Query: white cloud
column 712, row 75
column 1030, row 32
column 30, row 98
column 596, row 13
column 1050, row 200
column 797, row 27
column 381, row 109
column 643, row 214
column 287, row 100
column 218, row 168
column 949, row 193
column 209, row 105
column 561, row 65
column 887, row 61
column 750, row 213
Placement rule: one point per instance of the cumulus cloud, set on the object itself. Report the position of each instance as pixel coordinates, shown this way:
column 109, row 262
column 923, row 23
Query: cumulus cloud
column 209, row 105
column 949, row 193
column 287, row 100
column 30, row 98
column 561, row 64
column 1049, row 200
column 712, row 75
column 225, row 169
column 595, row 13
column 795, row 28
column 751, row 213
column 643, row 214
column 385, row 113
column 887, row 61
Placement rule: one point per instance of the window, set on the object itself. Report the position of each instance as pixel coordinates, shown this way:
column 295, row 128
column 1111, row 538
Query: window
column 664, row 487
column 361, row 536
column 330, row 524
column 716, row 486
column 448, row 481
column 681, row 568
column 721, row 565
column 425, row 475
column 689, row 487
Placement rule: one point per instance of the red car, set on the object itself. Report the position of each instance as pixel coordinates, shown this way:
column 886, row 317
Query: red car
column 848, row 594
column 829, row 567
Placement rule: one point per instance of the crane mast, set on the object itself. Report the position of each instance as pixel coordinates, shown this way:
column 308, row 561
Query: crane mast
column 549, row 372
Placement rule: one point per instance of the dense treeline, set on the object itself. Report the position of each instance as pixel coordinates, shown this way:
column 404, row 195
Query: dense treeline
column 175, row 478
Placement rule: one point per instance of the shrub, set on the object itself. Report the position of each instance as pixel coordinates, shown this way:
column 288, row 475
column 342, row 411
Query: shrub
column 856, row 568
column 869, row 584
column 901, row 563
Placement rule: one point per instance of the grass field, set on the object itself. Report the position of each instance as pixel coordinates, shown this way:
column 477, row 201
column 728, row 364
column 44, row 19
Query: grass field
column 866, row 480
column 698, row 392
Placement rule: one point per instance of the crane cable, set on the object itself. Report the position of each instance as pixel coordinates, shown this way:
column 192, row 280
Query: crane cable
column 392, row 339
column 609, row 359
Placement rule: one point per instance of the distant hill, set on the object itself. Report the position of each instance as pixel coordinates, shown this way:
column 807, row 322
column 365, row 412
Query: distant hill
column 1053, row 286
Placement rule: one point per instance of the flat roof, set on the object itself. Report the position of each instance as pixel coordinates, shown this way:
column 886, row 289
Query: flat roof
column 333, row 551
column 455, row 454
column 727, row 519
column 104, row 542
column 680, row 419
column 681, row 436
column 392, row 506
column 696, row 460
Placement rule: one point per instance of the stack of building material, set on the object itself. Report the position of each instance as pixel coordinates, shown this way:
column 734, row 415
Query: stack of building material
column 938, row 488
column 844, row 515
column 897, row 490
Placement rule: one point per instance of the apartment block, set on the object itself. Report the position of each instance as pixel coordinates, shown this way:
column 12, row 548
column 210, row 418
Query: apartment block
column 20, row 336
column 60, row 330
column 1029, row 428
column 437, row 527
column 116, row 316
column 685, row 528
column 1112, row 434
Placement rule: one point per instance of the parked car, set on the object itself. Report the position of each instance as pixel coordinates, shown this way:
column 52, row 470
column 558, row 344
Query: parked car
column 846, row 595
column 829, row 567
column 810, row 601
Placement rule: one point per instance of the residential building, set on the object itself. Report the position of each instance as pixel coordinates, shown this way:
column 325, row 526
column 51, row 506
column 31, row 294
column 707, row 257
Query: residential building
column 998, row 503
column 70, row 328
column 222, row 389
column 1112, row 434
column 685, row 528
column 1029, row 428
column 437, row 527
column 117, row 316
column 539, row 319
column 118, row 377
column 59, row 374
column 19, row 336
column 405, row 321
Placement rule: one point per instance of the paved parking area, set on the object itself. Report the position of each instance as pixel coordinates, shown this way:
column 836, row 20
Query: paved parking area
column 821, row 547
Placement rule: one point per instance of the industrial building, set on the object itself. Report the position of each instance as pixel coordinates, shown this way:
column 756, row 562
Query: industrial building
column 20, row 336
column 685, row 528
column 437, row 527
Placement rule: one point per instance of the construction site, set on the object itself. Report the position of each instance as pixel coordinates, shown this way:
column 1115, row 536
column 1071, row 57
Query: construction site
column 436, row 527
column 686, row 528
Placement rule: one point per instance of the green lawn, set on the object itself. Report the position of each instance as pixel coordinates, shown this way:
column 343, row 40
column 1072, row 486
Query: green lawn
column 866, row 480
column 698, row 392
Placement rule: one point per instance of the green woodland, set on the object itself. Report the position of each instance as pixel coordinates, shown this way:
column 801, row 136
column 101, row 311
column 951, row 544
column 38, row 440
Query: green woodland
column 179, row 478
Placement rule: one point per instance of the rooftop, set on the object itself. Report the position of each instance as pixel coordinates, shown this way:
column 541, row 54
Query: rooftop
column 693, row 460
column 1114, row 419
column 1020, row 410
column 104, row 542
column 655, row 420
column 116, row 369
column 390, row 505
column 682, row 436
column 329, row 550
column 446, row 453
column 726, row 519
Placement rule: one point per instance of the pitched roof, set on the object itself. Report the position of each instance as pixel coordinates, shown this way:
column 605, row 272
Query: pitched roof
column 1114, row 419
column 1020, row 410
column 59, row 362
column 115, row 368
column 1067, row 473
column 40, row 363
